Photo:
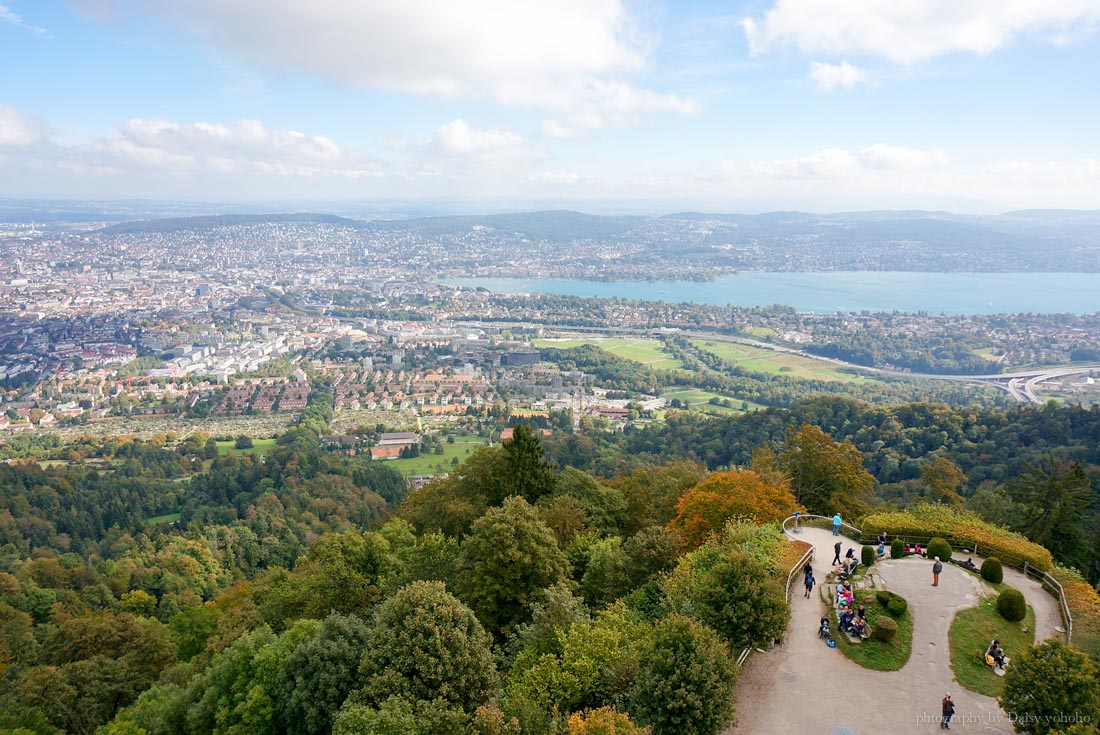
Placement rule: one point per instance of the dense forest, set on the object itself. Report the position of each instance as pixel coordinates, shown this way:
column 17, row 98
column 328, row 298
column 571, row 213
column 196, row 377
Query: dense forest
column 574, row 584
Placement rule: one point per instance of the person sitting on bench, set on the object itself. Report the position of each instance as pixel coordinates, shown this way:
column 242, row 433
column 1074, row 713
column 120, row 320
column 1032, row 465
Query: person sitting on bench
column 846, row 619
column 849, row 568
column 995, row 655
column 861, row 613
column 860, row 628
column 969, row 564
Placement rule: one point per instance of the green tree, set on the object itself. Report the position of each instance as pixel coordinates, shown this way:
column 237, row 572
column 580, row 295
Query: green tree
column 827, row 477
column 426, row 645
column 1049, row 683
column 508, row 558
column 529, row 474
column 733, row 593
column 320, row 674
column 1052, row 496
column 685, row 680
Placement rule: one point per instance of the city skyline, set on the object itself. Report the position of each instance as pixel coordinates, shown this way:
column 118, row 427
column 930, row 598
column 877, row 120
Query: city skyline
column 729, row 106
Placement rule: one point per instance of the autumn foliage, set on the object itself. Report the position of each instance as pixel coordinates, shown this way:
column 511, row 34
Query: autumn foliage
column 722, row 496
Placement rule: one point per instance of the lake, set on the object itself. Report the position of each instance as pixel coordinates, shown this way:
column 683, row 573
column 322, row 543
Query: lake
column 948, row 293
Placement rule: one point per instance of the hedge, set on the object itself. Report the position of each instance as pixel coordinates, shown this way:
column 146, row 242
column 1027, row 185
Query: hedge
column 897, row 549
column 1011, row 605
column 885, row 630
column 868, row 556
column 939, row 547
column 963, row 528
column 992, row 571
column 894, row 603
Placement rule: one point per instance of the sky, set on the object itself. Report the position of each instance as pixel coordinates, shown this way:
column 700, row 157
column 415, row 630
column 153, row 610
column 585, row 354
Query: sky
column 818, row 105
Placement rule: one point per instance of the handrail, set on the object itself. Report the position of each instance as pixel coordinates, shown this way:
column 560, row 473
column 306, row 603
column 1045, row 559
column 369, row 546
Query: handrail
column 1054, row 588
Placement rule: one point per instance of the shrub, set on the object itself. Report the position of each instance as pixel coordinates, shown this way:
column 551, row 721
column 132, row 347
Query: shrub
column 894, row 603
column 897, row 549
column 1011, row 605
column 867, row 555
column 992, row 571
column 885, row 630
column 939, row 547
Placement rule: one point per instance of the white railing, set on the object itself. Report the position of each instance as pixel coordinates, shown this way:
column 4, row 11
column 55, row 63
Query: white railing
column 808, row 556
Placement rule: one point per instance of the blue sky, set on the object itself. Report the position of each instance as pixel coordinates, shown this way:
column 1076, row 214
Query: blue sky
column 983, row 105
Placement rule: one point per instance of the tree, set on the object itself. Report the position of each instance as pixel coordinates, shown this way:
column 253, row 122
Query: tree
column 944, row 478
column 722, row 496
column 529, row 474
column 827, row 477
column 733, row 593
column 1052, row 496
column 243, row 442
column 508, row 558
column 426, row 645
column 320, row 674
column 685, row 680
column 602, row 721
column 1049, row 683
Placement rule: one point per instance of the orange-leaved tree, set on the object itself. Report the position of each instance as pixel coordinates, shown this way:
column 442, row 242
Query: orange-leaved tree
column 722, row 496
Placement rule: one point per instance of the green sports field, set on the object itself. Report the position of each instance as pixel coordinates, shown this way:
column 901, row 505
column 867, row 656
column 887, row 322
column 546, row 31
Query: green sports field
column 259, row 446
column 436, row 464
column 760, row 360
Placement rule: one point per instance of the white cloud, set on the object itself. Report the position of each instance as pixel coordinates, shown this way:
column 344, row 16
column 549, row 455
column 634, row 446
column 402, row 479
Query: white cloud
column 828, row 163
column 7, row 15
column 613, row 105
column 561, row 56
column 458, row 149
column 909, row 31
column 900, row 158
column 18, row 128
column 830, row 76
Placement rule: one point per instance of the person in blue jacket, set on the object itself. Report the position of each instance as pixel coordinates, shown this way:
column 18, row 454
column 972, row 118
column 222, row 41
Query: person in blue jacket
column 836, row 524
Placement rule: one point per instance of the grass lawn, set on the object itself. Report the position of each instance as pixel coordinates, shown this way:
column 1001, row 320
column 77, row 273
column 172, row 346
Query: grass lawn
column 436, row 464
column 166, row 518
column 760, row 360
column 970, row 634
column 875, row 654
column 649, row 352
column 259, row 446
column 700, row 399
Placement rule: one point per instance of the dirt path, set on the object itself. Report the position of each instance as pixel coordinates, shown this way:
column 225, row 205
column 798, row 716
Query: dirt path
column 803, row 686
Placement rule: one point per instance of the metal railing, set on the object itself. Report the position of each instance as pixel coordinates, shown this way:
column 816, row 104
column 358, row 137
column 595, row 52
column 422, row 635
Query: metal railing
column 1046, row 580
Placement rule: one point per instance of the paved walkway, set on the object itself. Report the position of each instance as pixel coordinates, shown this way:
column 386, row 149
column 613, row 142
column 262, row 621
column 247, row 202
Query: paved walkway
column 803, row 686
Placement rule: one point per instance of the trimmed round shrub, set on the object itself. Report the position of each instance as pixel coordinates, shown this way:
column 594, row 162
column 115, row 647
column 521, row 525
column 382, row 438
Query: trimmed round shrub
column 992, row 571
column 867, row 555
column 897, row 549
column 894, row 603
column 939, row 547
column 1011, row 605
column 885, row 630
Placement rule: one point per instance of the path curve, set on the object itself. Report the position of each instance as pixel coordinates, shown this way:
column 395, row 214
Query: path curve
column 803, row 686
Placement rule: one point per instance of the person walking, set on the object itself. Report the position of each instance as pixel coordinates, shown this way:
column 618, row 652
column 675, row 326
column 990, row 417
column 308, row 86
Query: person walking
column 836, row 524
column 810, row 581
column 947, row 709
column 936, row 569
column 836, row 553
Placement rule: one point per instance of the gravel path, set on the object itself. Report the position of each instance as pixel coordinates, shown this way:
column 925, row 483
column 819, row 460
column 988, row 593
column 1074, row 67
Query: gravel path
column 803, row 686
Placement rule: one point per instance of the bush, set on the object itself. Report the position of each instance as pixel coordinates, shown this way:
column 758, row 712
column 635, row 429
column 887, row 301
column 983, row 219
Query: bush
column 1011, row 605
column 897, row 549
column 867, row 555
column 939, row 547
column 992, row 571
column 885, row 630
column 894, row 603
